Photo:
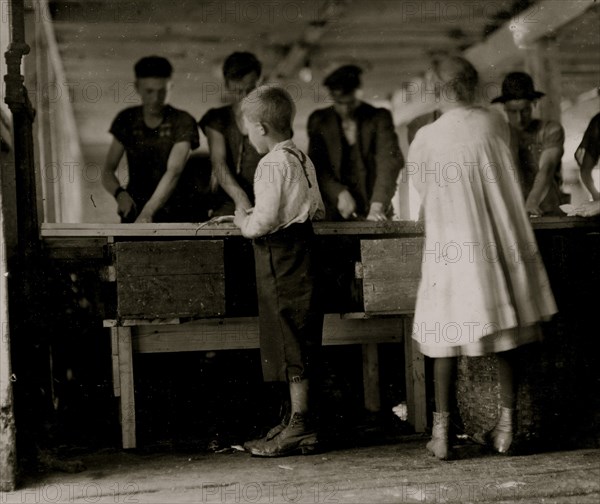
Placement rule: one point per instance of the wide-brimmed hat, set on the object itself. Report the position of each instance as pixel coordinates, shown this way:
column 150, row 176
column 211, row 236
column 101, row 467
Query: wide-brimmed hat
column 518, row 86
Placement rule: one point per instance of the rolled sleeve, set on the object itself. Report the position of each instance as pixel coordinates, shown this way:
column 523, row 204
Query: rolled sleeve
column 268, row 189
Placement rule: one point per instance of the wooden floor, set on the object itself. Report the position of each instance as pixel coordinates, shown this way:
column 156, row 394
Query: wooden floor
column 396, row 472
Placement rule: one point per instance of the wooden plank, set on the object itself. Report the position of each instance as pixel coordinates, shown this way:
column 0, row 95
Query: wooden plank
column 372, row 397
column 173, row 296
column 170, row 279
column 536, row 22
column 160, row 230
column 127, row 399
column 242, row 333
column 138, row 322
column 114, row 345
column 8, row 451
column 416, row 396
column 391, row 274
column 75, row 248
column 181, row 257
column 116, row 376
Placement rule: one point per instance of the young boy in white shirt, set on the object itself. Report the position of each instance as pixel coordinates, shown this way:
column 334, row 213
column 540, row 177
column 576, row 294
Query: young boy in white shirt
column 287, row 198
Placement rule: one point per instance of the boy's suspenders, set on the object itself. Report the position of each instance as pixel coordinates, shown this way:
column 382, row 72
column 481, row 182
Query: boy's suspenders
column 302, row 162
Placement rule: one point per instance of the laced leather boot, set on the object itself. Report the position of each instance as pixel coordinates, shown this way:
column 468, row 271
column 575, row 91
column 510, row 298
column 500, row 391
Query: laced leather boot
column 274, row 431
column 298, row 437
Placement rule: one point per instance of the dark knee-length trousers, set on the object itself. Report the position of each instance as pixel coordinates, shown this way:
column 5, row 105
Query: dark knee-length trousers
column 289, row 309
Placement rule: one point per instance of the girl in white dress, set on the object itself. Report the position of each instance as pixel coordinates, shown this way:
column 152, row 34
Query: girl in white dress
column 484, row 287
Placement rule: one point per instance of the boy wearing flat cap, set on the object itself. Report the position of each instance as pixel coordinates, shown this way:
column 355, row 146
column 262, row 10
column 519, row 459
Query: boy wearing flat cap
column 539, row 146
column 355, row 151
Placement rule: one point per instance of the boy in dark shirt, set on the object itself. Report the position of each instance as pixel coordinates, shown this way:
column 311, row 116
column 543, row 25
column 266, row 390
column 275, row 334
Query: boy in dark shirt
column 157, row 139
column 233, row 158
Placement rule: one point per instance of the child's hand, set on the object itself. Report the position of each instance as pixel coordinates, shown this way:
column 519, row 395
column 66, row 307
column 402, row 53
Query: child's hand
column 240, row 217
column 126, row 206
column 346, row 204
column 376, row 212
column 533, row 210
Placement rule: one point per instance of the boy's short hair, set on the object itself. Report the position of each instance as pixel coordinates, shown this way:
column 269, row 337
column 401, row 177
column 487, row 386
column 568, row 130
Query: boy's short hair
column 240, row 64
column 345, row 79
column 272, row 105
column 153, row 66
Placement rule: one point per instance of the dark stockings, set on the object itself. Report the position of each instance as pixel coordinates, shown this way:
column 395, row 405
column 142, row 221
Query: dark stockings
column 443, row 374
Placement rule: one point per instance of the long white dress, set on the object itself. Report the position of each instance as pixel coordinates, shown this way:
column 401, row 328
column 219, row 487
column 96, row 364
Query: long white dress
column 484, row 286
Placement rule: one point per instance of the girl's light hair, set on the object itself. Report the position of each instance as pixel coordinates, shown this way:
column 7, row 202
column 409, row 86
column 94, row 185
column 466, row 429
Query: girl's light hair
column 459, row 76
column 272, row 105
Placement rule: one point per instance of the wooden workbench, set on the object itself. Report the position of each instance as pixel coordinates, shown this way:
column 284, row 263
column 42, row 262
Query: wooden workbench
column 189, row 287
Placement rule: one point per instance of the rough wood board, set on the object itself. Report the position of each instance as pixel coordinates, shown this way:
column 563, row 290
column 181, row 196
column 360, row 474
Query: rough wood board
column 391, row 274
column 181, row 257
column 76, row 248
column 206, row 230
column 372, row 397
column 168, row 296
column 164, row 279
column 126, row 384
column 242, row 332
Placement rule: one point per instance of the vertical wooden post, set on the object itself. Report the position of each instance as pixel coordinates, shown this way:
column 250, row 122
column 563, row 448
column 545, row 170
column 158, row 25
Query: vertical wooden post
column 22, row 277
column 8, row 453
column 414, row 365
column 541, row 64
column 371, row 377
column 126, row 385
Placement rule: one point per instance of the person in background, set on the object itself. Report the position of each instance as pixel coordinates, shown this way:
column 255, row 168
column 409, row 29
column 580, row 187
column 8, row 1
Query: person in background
column 538, row 145
column 355, row 150
column 290, row 314
column 157, row 140
column 489, row 296
column 233, row 157
column 587, row 155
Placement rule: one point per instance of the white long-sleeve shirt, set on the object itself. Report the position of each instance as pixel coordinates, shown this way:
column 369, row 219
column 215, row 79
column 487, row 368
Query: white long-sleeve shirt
column 286, row 192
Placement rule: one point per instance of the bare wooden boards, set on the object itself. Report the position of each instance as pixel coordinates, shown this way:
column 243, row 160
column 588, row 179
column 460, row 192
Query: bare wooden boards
column 391, row 271
column 183, row 278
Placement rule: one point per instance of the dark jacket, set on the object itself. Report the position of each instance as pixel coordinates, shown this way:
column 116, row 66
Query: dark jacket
column 378, row 146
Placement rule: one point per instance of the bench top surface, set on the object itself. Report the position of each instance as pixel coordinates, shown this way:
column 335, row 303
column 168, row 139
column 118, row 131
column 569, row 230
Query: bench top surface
column 396, row 228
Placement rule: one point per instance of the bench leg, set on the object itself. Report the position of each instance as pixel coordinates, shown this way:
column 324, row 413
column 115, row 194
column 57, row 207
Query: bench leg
column 127, row 397
column 414, row 365
column 371, row 377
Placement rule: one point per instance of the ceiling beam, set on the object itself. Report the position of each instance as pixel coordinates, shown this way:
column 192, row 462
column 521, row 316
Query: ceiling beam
column 299, row 52
column 515, row 37
column 510, row 42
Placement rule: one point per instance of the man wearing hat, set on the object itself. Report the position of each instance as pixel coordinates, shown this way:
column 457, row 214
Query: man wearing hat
column 355, row 150
column 538, row 146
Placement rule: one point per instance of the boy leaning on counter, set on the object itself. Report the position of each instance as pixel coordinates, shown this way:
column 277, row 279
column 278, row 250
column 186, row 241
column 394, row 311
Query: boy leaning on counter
column 290, row 315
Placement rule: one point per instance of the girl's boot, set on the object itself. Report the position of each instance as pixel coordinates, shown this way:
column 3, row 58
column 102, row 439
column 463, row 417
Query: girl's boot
column 501, row 436
column 438, row 446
